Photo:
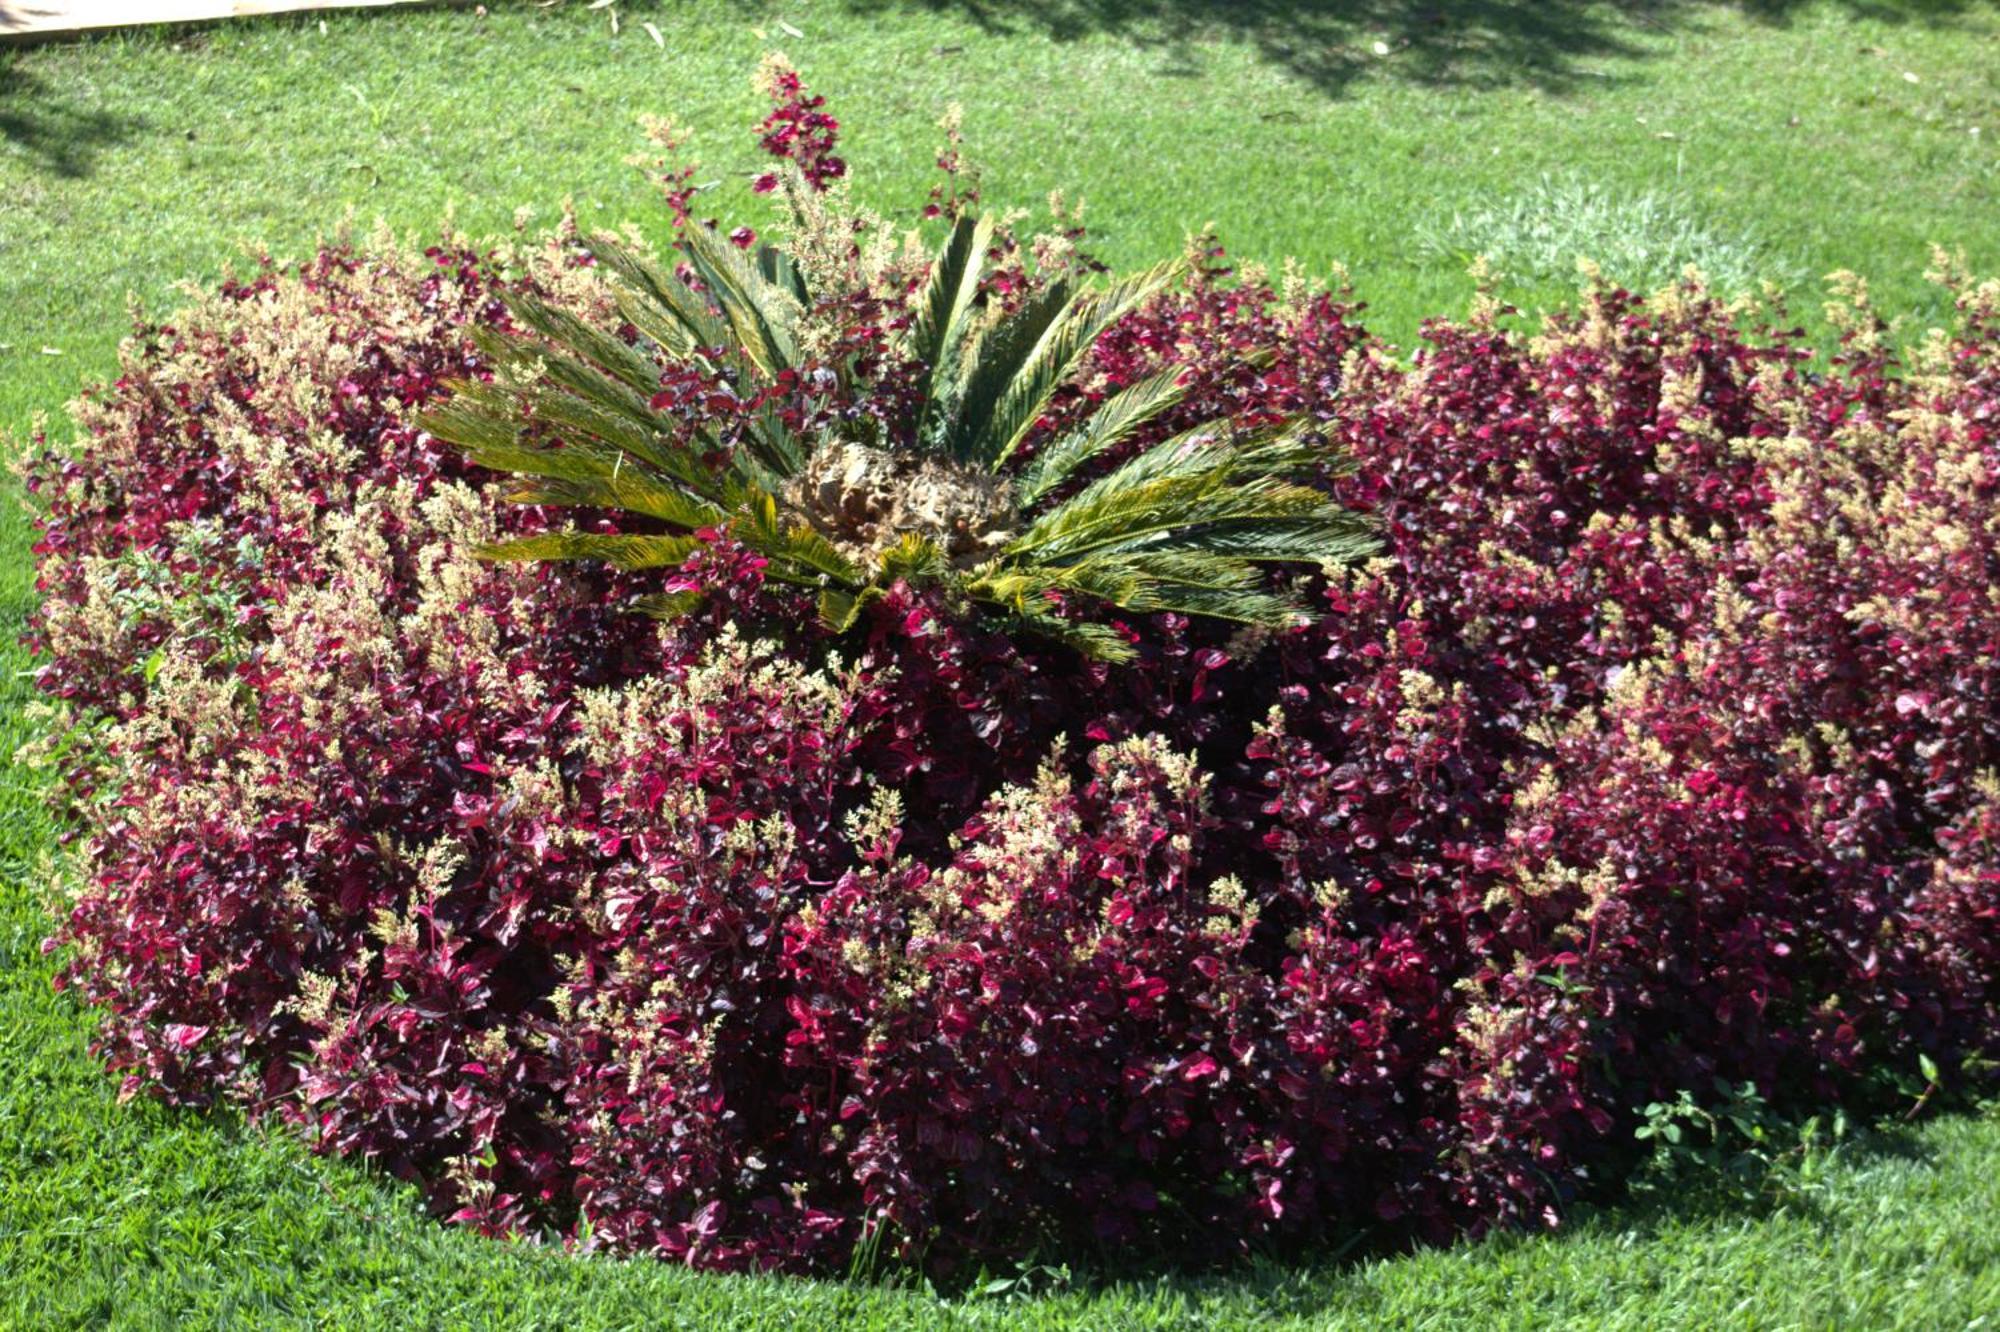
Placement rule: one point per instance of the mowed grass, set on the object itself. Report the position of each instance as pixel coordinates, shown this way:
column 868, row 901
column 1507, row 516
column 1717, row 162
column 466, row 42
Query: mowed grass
column 1844, row 134
column 1790, row 139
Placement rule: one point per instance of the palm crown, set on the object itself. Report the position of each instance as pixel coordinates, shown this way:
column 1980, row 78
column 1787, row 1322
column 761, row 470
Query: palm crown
column 970, row 496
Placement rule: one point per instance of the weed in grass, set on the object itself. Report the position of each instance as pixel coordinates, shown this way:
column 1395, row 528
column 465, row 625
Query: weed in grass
column 1641, row 239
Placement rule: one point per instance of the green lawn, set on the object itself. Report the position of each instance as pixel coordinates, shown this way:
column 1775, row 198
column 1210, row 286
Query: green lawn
column 1774, row 137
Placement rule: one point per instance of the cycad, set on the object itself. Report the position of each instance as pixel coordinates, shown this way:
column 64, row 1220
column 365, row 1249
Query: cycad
column 1187, row 525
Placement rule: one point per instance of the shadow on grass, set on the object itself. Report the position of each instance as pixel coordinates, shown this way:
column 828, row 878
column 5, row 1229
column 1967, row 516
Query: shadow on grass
column 17, row 16
column 46, row 123
column 1301, row 1281
column 1302, row 1284
column 1330, row 44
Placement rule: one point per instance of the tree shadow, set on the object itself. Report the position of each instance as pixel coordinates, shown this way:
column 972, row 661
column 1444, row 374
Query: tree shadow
column 1331, row 44
column 16, row 17
column 63, row 137
column 1936, row 12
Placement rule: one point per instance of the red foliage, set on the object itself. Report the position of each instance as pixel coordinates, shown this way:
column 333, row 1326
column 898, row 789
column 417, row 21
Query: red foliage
column 1658, row 746
column 797, row 130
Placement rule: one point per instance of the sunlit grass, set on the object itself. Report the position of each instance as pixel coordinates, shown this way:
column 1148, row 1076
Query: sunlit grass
column 1783, row 143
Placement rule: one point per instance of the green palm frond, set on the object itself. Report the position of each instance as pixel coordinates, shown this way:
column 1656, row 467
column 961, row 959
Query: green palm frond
column 1114, row 421
column 1178, row 507
column 1180, row 470
column 661, row 306
column 629, row 489
column 581, row 423
column 838, row 609
column 944, row 309
column 916, row 558
column 1055, row 359
column 783, row 272
column 1186, row 483
column 987, row 369
column 670, row 605
column 472, row 421
column 1333, row 537
column 1187, row 525
column 1098, row 642
column 517, row 360
column 625, row 552
column 607, row 351
column 762, row 314
column 1201, row 584
column 1270, row 610
column 794, row 546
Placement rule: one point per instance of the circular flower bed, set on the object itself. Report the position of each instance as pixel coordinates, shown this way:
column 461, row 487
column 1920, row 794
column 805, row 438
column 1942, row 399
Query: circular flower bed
column 1656, row 747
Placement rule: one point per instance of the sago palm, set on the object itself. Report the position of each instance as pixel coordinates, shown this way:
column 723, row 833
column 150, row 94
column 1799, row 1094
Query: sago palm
column 958, row 502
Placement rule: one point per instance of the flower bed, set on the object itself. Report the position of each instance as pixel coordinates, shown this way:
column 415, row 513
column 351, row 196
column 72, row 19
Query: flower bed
column 1656, row 746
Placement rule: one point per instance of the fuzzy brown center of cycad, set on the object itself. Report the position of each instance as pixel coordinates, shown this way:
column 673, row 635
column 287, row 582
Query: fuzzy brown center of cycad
column 864, row 500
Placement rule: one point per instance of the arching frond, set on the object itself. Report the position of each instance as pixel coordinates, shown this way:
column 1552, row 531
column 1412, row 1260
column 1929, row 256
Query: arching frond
column 626, row 552
column 1055, row 359
column 473, row 422
column 520, row 361
column 1193, row 480
column 563, row 477
column 1098, row 642
column 783, row 272
column 916, row 558
column 761, row 314
column 670, row 605
column 756, row 521
column 944, row 307
column 1114, row 421
column 1250, row 606
column 581, row 422
column 606, row 350
column 662, row 307
column 985, row 370
column 839, row 609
